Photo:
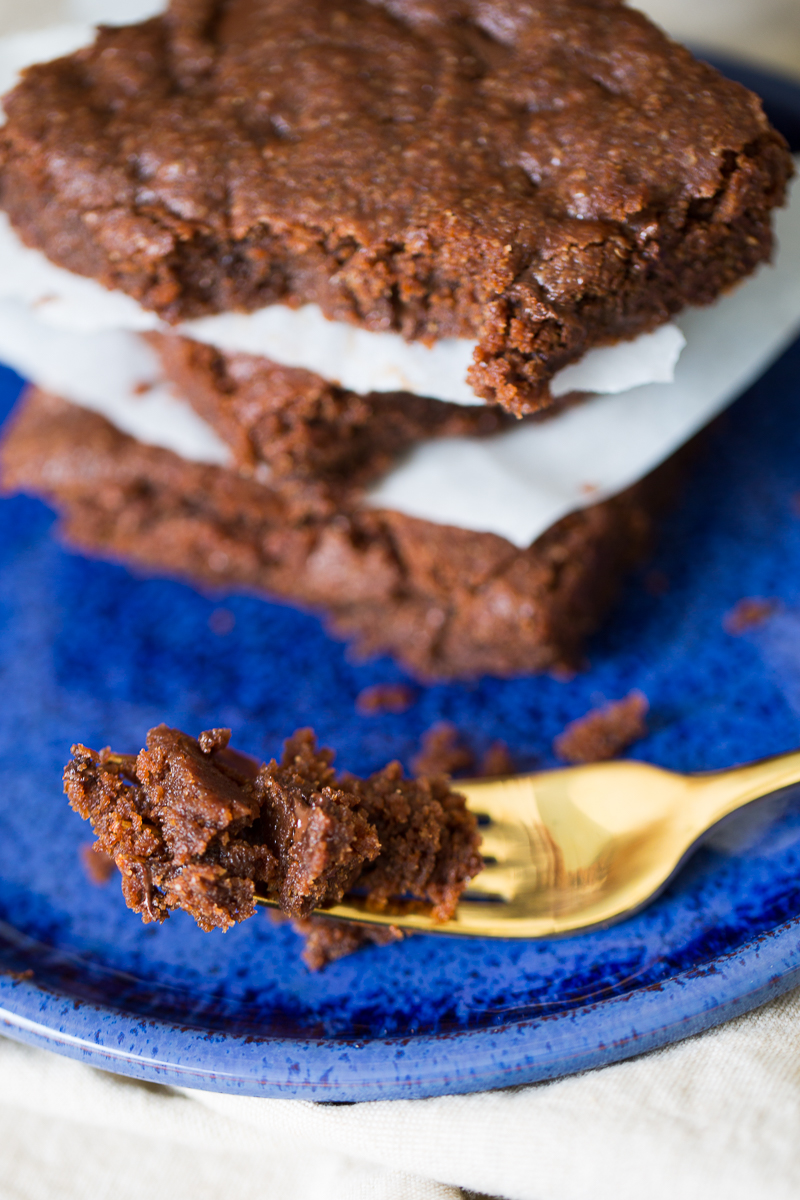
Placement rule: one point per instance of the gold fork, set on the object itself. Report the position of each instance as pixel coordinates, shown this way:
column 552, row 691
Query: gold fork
column 569, row 849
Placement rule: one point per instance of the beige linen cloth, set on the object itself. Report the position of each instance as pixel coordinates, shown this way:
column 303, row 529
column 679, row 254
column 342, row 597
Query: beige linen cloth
column 715, row 1116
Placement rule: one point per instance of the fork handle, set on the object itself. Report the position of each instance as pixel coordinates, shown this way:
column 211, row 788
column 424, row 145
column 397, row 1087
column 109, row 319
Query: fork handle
column 720, row 793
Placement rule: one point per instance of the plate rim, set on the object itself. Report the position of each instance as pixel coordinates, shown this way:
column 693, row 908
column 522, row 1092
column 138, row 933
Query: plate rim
column 348, row 1070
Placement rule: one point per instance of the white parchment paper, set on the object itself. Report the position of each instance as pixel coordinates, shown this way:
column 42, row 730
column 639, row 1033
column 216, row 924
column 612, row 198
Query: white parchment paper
column 519, row 483
column 357, row 359
column 77, row 341
column 516, row 484
column 114, row 373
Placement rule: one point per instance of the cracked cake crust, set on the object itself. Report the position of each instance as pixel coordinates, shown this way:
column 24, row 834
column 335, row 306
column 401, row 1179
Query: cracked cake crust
column 542, row 178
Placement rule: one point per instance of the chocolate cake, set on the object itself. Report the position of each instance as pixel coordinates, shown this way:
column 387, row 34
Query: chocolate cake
column 442, row 751
column 540, row 178
column 318, row 441
column 193, row 825
column 447, row 603
column 535, row 180
column 327, row 940
column 604, row 732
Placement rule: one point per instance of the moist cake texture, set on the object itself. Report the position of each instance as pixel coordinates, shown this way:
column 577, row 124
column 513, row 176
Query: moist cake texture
column 318, row 440
column 539, row 177
column 447, row 603
column 327, row 940
column 193, row 825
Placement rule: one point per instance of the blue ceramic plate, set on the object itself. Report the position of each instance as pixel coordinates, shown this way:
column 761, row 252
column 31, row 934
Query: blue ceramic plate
column 90, row 652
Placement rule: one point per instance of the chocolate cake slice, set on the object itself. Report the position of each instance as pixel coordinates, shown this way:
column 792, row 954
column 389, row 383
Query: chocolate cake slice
column 193, row 825
column 538, row 178
column 447, row 603
column 318, row 441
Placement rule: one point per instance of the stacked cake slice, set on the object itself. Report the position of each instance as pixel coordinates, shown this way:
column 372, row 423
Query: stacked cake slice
column 315, row 294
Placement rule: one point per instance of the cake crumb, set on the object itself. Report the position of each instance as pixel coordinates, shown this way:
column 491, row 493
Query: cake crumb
column 604, row 732
column 496, row 761
column 749, row 613
column 442, row 752
column 563, row 673
column 327, row 940
column 98, row 865
column 385, row 697
column 19, row 976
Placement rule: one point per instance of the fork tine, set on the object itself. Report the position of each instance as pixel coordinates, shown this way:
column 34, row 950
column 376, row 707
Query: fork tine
column 496, row 799
column 496, row 844
column 494, row 881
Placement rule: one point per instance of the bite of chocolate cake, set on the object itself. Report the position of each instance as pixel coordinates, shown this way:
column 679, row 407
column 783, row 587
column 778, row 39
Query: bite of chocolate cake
column 193, row 825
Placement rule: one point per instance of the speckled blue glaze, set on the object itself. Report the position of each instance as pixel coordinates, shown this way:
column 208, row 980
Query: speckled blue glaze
column 90, row 652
